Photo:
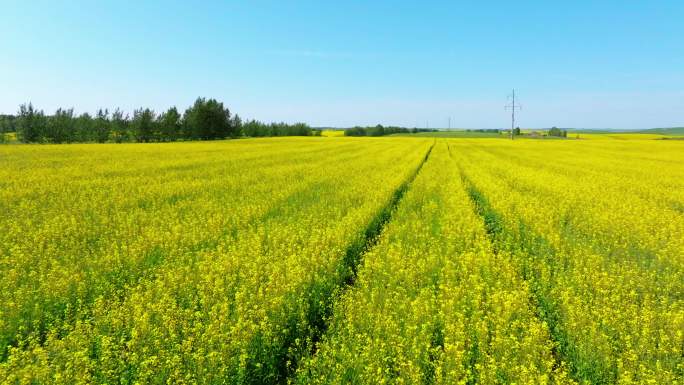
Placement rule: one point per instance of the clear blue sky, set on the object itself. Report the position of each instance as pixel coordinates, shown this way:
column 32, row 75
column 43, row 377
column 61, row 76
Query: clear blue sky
column 592, row 64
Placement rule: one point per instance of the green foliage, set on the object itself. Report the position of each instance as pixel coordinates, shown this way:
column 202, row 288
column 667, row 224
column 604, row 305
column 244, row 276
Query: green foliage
column 143, row 125
column 31, row 124
column 101, row 126
column 555, row 131
column 380, row 130
column 236, row 122
column 85, row 128
column 487, row 130
column 355, row 131
column 207, row 120
column 170, row 125
column 120, row 127
column 8, row 123
column 254, row 128
column 61, row 126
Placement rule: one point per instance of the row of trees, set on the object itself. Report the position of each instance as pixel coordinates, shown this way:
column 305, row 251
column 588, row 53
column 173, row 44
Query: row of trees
column 255, row 128
column 206, row 119
column 488, row 130
column 380, row 130
column 7, row 124
column 555, row 131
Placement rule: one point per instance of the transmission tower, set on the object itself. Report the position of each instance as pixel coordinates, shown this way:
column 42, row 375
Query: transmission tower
column 513, row 107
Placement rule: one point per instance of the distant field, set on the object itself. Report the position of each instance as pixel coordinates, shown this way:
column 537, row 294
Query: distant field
column 427, row 260
column 332, row 133
column 571, row 135
column 453, row 134
column 666, row 131
column 620, row 136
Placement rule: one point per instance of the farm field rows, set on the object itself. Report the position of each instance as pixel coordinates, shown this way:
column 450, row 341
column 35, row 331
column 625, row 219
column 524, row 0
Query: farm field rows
column 343, row 260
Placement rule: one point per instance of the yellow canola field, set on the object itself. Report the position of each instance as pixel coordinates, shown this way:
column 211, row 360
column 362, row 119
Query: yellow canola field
column 343, row 260
column 434, row 303
column 596, row 230
column 618, row 136
column 332, row 133
column 189, row 262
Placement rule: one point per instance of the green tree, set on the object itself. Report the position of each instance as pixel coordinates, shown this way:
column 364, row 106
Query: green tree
column 119, row 127
column 61, row 126
column 236, row 125
column 7, row 125
column 378, row 130
column 355, row 131
column 85, row 128
column 101, row 126
column 555, row 131
column 300, row 129
column 208, row 119
column 142, row 125
column 170, row 125
column 31, row 124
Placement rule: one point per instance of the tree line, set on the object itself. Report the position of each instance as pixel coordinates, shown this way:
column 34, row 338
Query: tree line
column 555, row 131
column 380, row 130
column 206, row 119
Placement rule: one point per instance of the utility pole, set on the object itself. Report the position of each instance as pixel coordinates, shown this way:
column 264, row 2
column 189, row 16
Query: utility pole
column 513, row 107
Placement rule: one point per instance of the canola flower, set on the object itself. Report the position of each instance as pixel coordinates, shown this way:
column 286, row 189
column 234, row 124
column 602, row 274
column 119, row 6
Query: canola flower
column 245, row 237
column 433, row 302
column 248, row 261
column 596, row 231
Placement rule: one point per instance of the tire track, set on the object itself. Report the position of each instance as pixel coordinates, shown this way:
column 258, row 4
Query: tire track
column 541, row 252
column 301, row 341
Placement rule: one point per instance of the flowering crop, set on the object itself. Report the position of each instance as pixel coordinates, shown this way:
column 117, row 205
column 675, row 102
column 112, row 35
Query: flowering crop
column 434, row 303
column 596, row 230
column 343, row 260
column 180, row 262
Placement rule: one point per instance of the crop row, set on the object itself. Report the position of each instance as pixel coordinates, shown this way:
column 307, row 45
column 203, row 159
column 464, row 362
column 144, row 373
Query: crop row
column 183, row 263
column 433, row 302
column 603, row 260
column 342, row 260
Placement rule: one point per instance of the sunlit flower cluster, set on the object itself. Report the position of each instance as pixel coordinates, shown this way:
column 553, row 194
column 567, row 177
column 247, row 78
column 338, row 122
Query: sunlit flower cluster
column 186, row 262
column 596, row 230
column 434, row 303
column 258, row 261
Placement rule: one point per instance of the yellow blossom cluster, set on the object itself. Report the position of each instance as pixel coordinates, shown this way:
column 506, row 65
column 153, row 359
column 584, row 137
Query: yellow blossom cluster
column 596, row 230
column 396, row 260
column 187, row 262
column 434, row 303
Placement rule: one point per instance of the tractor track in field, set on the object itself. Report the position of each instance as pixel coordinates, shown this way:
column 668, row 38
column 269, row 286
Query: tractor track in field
column 320, row 305
column 544, row 308
column 354, row 253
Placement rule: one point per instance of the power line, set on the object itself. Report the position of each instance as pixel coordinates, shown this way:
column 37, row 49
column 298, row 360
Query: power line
column 513, row 107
